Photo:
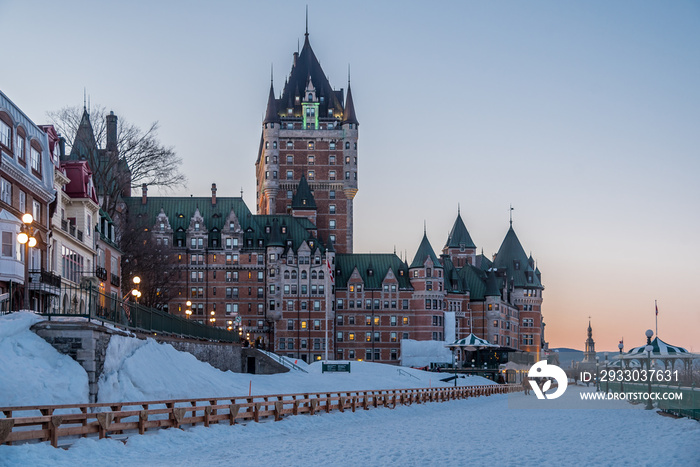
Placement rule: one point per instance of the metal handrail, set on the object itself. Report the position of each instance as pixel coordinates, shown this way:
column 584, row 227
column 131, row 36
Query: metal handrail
column 283, row 361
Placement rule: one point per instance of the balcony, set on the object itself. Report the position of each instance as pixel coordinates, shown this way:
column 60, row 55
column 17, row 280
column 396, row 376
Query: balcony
column 114, row 280
column 101, row 273
column 44, row 281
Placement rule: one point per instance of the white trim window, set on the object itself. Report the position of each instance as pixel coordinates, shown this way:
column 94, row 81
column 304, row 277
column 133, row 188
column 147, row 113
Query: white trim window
column 6, row 191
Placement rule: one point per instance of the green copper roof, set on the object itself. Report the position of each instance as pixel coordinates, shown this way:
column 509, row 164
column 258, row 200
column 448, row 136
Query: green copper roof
column 475, row 280
column 459, row 236
column 303, row 198
column 512, row 257
column 379, row 263
column 492, row 288
column 425, row 251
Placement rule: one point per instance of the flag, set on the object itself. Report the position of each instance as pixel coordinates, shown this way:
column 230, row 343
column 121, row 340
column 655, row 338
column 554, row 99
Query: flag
column 330, row 271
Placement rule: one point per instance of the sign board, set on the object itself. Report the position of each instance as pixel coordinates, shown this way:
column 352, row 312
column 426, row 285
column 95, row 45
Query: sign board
column 335, row 367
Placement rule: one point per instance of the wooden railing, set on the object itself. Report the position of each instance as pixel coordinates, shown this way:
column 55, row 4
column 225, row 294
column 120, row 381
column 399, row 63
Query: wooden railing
column 53, row 422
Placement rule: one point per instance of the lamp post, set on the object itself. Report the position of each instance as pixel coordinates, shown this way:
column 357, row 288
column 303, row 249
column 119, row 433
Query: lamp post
column 26, row 238
column 212, row 320
column 621, row 346
column 597, row 376
column 136, row 292
column 188, row 310
column 648, row 349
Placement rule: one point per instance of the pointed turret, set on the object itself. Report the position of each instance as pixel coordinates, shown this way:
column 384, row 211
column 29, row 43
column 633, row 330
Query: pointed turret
column 349, row 113
column 425, row 250
column 84, row 144
column 303, row 198
column 459, row 236
column 512, row 257
column 271, row 115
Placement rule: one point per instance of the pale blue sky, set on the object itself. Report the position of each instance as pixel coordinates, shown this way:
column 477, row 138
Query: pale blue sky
column 583, row 115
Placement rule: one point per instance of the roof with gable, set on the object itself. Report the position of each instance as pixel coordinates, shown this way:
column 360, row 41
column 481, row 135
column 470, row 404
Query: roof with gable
column 81, row 184
column 459, row 236
column 379, row 263
column 283, row 229
column 512, row 258
column 303, row 198
column 425, row 251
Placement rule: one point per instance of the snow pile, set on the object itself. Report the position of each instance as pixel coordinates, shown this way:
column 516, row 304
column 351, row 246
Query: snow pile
column 423, row 353
column 480, row 431
column 31, row 371
column 143, row 370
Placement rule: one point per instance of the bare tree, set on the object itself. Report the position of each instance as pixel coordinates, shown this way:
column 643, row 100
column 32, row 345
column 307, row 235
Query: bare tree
column 151, row 261
column 141, row 157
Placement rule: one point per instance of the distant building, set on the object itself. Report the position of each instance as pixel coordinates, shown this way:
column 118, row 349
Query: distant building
column 589, row 354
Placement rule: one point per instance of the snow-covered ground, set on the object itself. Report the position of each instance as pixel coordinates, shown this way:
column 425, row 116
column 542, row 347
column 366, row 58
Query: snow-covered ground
column 496, row 430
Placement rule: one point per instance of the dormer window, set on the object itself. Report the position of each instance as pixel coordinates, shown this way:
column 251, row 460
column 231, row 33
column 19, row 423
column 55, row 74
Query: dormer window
column 267, row 229
column 311, row 97
column 162, row 226
column 196, row 226
column 284, row 229
column 516, row 264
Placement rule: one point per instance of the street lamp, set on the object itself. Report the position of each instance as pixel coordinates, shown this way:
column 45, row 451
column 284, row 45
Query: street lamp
column 597, row 375
column 188, row 311
column 648, row 349
column 212, row 320
column 26, row 238
column 621, row 346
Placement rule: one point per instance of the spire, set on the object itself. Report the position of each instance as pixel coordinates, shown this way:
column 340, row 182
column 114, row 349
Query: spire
column 511, row 216
column 306, row 34
column 425, row 250
column 271, row 115
column 459, row 236
column 349, row 112
column 84, row 145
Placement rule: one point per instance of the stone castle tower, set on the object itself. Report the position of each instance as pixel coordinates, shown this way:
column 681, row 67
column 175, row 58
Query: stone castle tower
column 310, row 132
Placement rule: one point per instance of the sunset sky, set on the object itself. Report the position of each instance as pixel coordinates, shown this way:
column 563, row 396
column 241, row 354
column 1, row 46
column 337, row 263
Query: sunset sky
column 585, row 116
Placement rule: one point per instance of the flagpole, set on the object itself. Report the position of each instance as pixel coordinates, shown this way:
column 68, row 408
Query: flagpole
column 656, row 307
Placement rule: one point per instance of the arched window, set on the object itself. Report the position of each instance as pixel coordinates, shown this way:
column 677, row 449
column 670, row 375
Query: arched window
column 274, row 145
column 311, row 96
column 347, row 145
column 303, row 274
column 294, row 274
column 314, row 275
column 267, row 145
column 320, row 274
column 310, row 145
column 286, row 274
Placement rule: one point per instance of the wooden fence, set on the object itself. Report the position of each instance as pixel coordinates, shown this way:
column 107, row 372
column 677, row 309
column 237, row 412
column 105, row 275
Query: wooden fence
column 54, row 422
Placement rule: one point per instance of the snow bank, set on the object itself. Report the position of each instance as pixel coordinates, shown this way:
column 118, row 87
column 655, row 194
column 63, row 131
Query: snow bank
column 422, row 353
column 141, row 370
column 31, row 371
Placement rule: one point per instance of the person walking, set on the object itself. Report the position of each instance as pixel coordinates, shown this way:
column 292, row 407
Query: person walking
column 526, row 386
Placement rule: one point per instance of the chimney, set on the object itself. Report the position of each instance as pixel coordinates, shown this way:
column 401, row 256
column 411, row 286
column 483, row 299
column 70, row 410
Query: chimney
column 62, row 147
column 296, row 55
column 144, row 193
column 111, row 132
column 213, row 194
